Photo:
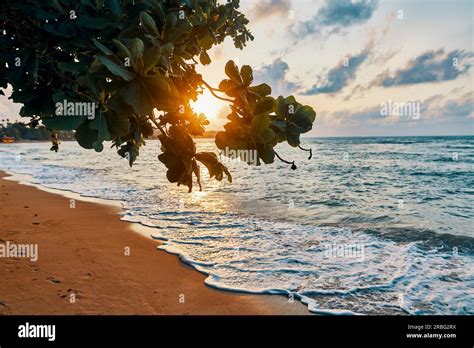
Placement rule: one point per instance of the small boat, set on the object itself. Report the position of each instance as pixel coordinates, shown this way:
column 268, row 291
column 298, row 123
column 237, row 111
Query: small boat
column 8, row 140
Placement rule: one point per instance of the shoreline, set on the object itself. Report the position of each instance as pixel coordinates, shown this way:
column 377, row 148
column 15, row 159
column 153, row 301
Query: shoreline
column 92, row 262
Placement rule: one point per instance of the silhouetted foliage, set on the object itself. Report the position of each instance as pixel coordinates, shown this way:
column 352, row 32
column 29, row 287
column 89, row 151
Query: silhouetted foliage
column 134, row 61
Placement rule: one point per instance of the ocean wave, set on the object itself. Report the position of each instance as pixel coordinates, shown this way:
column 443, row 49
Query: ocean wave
column 341, row 234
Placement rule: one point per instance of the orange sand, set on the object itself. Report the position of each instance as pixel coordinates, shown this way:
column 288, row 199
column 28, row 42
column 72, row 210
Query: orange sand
column 81, row 251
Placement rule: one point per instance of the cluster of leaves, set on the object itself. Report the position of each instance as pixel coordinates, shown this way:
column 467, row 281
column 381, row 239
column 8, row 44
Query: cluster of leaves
column 134, row 61
column 258, row 121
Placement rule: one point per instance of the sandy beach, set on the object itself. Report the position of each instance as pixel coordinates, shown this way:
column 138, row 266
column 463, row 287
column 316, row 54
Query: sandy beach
column 91, row 262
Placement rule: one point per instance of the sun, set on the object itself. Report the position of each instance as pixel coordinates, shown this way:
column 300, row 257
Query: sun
column 207, row 104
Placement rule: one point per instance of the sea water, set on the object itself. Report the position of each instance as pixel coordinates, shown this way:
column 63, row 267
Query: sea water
column 367, row 226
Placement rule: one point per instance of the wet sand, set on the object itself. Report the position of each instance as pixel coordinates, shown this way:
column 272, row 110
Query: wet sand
column 91, row 262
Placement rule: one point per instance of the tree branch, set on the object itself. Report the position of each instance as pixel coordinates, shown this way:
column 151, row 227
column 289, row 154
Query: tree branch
column 152, row 119
column 310, row 151
column 293, row 165
column 212, row 89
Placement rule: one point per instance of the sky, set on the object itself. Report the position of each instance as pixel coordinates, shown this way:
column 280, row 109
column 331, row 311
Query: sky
column 350, row 60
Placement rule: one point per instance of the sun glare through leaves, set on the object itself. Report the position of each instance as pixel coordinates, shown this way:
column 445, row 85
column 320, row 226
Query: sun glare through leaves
column 208, row 105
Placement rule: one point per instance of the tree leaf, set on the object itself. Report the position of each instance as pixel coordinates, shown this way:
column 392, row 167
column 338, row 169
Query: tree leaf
column 150, row 58
column 39, row 13
column 86, row 136
column 216, row 169
column 116, row 69
column 123, row 50
column 57, row 6
column 264, row 106
column 232, row 71
column 279, row 124
column 138, row 97
column 148, row 23
column 114, row 7
column 205, row 41
column 228, row 86
column 170, row 21
column 117, row 123
column 66, row 123
column 266, row 154
column 99, row 123
column 261, row 90
column 260, row 123
column 157, row 81
column 65, row 28
column 87, row 82
column 204, row 58
column 304, row 117
column 104, row 49
column 247, row 75
column 167, row 49
column 293, row 139
column 267, row 135
column 92, row 22
column 137, row 48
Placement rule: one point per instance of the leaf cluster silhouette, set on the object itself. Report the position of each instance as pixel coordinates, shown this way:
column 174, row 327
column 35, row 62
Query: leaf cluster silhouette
column 136, row 62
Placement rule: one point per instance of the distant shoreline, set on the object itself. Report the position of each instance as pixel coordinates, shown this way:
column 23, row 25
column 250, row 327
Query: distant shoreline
column 303, row 137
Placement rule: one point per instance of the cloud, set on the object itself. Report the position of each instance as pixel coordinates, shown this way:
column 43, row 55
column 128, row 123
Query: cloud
column 430, row 66
column 437, row 108
column 389, row 20
column 438, row 115
column 267, row 8
column 275, row 74
column 336, row 15
column 363, row 116
column 342, row 74
column 8, row 109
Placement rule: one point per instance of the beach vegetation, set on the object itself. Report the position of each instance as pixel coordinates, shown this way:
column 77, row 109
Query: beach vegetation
column 135, row 61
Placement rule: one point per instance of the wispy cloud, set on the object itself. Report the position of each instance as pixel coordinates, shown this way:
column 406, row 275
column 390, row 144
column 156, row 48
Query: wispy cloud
column 275, row 74
column 438, row 108
column 342, row 74
column 438, row 115
column 430, row 66
column 336, row 15
column 267, row 8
